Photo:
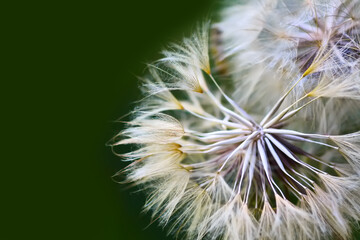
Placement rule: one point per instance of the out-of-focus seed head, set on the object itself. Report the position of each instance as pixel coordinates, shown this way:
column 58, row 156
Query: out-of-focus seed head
column 291, row 33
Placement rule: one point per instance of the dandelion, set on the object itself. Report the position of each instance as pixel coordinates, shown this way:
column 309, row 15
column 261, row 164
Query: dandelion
column 214, row 168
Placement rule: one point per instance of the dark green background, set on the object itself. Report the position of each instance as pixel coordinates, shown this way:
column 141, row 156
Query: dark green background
column 72, row 72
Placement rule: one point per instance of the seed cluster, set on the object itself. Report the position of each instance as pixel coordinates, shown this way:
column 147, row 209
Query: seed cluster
column 272, row 152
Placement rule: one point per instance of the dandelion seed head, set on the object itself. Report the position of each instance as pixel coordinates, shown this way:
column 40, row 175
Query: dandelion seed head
column 249, row 167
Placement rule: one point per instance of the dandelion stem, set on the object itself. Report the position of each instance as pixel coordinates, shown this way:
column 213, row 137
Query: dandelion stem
column 250, row 177
column 293, row 112
column 278, row 161
column 279, row 103
column 236, row 106
column 229, row 124
column 282, row 148
column 265, row 163
column 249, row 155
column 228, row 111
column 297, row 138
column 282, row 113
column 241, row 146
column 292, row 132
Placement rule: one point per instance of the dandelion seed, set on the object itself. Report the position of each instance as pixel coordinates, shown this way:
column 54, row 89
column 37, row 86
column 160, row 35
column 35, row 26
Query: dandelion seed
column 214, row 168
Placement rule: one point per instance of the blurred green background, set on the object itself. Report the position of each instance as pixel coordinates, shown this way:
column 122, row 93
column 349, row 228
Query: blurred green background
column 73, row 68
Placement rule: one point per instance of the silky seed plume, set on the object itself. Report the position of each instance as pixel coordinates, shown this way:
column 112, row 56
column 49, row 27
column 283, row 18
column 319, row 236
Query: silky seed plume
column 218, row 166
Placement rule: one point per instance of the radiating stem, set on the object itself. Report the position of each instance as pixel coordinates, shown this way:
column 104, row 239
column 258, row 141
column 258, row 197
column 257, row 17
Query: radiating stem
column 279, row 103
column 229, row 124
column 292, row 132
column 236, row 106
